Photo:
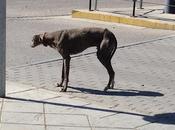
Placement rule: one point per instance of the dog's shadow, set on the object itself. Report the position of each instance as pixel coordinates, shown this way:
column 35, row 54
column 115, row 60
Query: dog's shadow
column 163, row 118
column 117, row 92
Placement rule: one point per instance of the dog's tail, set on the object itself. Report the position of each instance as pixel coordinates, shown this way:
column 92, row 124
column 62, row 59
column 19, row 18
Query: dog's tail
column 109, row 44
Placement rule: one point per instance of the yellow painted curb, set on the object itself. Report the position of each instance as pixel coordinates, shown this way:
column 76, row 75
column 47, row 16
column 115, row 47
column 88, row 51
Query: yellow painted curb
column 108, row 17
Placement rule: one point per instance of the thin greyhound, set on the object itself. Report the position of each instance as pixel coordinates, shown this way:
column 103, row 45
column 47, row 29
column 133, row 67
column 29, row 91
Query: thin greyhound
column 68, row 42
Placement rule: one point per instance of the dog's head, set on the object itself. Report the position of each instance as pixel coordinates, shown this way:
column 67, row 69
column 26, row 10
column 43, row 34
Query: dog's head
column 44, row 39
column 37, row 40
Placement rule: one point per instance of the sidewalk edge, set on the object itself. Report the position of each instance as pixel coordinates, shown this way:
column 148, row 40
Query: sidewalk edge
column 117, row 18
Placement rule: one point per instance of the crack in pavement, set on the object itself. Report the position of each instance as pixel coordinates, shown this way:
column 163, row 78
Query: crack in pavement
column 36, row 17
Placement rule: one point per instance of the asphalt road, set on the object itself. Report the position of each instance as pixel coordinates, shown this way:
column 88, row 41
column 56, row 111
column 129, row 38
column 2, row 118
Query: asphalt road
column 25, row 8
column 28, row 17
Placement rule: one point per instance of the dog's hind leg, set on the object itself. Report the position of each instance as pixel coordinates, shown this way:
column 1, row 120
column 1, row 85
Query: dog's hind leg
column 101, row 55
column 105, row 53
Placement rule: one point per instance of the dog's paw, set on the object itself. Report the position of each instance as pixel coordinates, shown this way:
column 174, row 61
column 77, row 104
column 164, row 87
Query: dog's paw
column 112, row 85
column 106, row 88
column 58, row 85
column 63, row 90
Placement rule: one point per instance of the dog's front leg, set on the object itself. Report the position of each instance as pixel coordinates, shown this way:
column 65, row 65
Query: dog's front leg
column 66, row 73
column 62, row 76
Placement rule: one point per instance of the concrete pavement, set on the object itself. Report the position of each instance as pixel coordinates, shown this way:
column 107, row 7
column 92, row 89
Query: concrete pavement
column 30, row 108
column 143, row 97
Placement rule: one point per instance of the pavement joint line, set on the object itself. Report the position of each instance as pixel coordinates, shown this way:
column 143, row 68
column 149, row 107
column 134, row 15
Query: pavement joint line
column 37, row 17
column 122, row 128
column 47, row 125
column 88, row 121
column 52, row 92
column 31, row 89
column 21, row 123
column 44, row 113
column 68, row 114
column 2, row 104
column 35, row 101
column 21, row 91
column 23, row 112
column 53, row 97
column 50, row 113
column 80, row 55
column 145, row 124
column 144, row 42
column 48, row 61
column 73, row 126
column 107, row 116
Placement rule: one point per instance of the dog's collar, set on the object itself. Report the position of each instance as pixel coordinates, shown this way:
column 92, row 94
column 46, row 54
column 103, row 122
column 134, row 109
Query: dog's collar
column 48, row 41
column 44, row 40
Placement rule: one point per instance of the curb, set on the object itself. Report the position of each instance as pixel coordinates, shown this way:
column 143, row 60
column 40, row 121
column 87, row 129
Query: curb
column 117, row 18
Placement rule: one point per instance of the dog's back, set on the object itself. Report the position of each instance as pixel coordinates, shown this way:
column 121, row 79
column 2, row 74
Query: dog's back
column 83, row 38
column 92, row 35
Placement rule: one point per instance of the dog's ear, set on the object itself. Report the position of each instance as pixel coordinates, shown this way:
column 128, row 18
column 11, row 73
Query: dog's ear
column 47, row 36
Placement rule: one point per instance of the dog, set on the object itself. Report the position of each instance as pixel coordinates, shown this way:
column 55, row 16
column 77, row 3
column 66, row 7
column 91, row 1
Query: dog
column 73, row 41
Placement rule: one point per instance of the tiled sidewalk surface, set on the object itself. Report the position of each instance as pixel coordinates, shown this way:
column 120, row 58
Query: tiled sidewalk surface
column 143, row 97
column 29, row 108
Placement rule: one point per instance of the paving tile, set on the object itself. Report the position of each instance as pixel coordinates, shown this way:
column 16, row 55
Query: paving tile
column 13, row 87
column 67, row 128
column 23, row 118
column 36, row 94
column 120, row 120
column 157, row 126
column 62, row 104
column 78, row 107
column 67, row 120
column 56, row 108
column 21, row 127
column 110, row 128
column 0, row 103
column 23, row 106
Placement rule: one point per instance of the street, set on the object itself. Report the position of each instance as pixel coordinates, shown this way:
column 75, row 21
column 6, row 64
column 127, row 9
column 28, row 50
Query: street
column 26, row 18
column 25, row 8
column 143, row 63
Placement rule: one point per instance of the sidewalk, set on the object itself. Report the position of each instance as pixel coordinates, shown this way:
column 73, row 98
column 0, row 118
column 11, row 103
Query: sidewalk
column 143, row 98
column 30, row 108
column 151, row 17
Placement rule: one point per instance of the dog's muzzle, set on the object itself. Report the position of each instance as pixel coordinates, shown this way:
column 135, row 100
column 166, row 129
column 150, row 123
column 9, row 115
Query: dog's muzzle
column 32, row 46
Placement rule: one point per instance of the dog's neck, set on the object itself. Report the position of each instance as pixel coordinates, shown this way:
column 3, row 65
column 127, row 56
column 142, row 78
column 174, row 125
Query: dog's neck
column 52, row 40
column 48, row 40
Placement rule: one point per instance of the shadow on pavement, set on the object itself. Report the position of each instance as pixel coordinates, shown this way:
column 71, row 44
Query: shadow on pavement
column 118, row 92
column 164, row 118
